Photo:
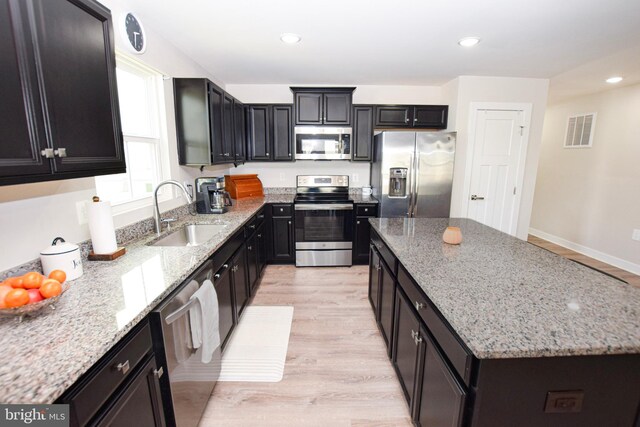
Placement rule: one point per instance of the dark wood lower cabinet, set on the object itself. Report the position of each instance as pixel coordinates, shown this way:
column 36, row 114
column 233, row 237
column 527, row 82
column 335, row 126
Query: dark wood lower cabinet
column 406, row 346
column 387, row 296
column 374, row 280
column 440, row 398
column 139, row 403
column 224, row 290
column 239, row 273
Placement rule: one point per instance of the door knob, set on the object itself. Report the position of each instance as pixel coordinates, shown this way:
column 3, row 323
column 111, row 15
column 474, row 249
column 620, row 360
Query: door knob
column 474, row 197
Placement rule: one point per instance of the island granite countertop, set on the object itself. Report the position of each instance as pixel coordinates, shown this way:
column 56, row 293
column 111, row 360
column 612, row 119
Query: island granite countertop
column 42, row 356
column 506, row 298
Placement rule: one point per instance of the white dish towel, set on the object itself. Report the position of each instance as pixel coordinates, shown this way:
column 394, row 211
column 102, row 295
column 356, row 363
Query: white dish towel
column 205, row 320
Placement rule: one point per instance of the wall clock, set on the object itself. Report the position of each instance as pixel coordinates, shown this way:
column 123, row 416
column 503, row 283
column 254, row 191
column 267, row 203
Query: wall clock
column 133, row 33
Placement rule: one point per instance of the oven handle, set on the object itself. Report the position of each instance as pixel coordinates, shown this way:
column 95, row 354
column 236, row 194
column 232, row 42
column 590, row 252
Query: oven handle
column 323, row 207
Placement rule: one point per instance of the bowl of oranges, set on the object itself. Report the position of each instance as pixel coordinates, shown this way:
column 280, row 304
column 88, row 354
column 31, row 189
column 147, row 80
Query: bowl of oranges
column 28, row 294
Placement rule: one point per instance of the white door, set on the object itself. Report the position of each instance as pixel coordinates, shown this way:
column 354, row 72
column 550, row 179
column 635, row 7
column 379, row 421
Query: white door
column 499, row 153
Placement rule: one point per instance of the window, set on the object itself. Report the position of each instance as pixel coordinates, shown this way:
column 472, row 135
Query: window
column 141, row 98
column 580, row 130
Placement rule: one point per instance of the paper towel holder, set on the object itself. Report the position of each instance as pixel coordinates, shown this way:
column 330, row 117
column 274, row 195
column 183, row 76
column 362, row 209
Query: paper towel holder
column 105, row 257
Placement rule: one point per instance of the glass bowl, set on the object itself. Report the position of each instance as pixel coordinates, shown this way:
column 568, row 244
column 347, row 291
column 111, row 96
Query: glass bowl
column 35, row 308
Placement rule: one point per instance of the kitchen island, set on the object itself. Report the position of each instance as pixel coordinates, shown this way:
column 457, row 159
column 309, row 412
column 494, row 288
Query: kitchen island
column 525, row 337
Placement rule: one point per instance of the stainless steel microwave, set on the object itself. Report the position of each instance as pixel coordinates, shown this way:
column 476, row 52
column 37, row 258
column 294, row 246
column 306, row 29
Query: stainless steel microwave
column 322, row 143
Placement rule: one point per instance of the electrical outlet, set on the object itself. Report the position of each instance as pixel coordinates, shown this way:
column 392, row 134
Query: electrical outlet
column 282, row 178
column 81, row 212
column 355, row 177
column 636, row 234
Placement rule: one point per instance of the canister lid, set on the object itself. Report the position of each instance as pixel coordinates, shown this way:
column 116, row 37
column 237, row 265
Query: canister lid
column 59, row 246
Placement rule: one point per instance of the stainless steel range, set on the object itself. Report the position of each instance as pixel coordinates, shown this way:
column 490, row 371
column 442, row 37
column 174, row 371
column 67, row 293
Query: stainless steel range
column 324, row 221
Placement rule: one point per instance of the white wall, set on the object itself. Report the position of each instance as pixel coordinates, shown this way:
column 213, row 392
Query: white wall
column 589, row 198
column 496, row 89
column 32, row 215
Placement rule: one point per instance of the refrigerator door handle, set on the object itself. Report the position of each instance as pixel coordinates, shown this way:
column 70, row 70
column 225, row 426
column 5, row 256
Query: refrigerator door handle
column 414, row 190
column 410, row 185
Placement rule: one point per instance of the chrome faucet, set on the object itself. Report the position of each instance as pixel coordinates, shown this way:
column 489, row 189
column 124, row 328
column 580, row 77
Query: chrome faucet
column 156, row 208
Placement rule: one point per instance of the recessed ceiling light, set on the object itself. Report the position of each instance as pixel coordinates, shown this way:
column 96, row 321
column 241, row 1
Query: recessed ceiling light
column 290, row 38
column 614, row 79
column 469, row 41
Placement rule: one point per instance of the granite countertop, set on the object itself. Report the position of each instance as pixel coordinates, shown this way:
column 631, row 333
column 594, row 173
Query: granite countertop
column 359, row 198
column 44, row 355
column 507, row 298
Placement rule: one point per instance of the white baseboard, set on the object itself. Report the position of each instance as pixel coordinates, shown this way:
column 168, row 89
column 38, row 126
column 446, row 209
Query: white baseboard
column 600, row 256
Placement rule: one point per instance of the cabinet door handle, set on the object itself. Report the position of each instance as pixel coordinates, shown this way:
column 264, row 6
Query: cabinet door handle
column 249, row 248
column 419, row 306
column 259, row 235
column 225, row 265
column 48, row 153
column 416, row 337
column 216, row 276
column 253, row 226
column 123, row 367
column 158, row 372
column 60, row 152
column 260, row 216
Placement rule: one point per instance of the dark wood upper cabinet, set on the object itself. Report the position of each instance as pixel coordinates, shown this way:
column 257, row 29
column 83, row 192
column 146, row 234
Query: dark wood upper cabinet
column 282, row 132
column 362, row 133
column 240, row 132
column 210, row 123
column 228, row 126
column 309, row 109
column 414, row 116
column 258, row 132
column 393, row 116
column 323, row 106
column 270, row 132
column 60, row 115
column 216, row 117
column 430, row 116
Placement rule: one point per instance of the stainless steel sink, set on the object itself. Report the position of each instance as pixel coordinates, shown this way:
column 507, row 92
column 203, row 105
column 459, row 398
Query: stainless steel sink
column 190, row 235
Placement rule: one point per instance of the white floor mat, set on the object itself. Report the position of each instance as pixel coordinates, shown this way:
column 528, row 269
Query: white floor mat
column 258, row 348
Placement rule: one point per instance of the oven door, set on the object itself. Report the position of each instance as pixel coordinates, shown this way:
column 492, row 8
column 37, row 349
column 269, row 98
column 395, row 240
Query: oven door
column 324, row 226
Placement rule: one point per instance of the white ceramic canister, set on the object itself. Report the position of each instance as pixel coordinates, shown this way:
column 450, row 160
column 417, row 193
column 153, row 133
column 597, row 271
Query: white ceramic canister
column 63, row 256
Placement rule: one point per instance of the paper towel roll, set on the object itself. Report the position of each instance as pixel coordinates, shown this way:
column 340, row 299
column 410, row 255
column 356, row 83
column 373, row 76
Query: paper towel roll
column 103, row 233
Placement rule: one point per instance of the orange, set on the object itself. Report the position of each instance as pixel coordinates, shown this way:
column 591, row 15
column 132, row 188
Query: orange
column 32, row 280
column 14, row 282
column 50, row 288
column 58, row 275
column 16, row 298
column 4, row 290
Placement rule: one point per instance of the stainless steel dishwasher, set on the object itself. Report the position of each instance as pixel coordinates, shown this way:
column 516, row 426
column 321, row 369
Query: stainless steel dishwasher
column 189, row 382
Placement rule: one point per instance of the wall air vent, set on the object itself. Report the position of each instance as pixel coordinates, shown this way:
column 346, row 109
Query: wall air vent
column 580, row 131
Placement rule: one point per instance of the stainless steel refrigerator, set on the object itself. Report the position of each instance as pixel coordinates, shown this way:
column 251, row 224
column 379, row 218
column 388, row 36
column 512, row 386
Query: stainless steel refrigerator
column 412, row 173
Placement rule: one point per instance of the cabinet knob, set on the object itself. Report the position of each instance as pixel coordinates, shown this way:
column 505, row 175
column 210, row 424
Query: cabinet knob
column 252, row 226
column 357, row 222
column 48, row 153
column 226, row 154
column 281, row 209
column 249, row 248
column 216, row 276
column 419, row 306
column 225, row 265
column 366, row 209
column 123, row 367
column 60, row 152
column 289, row 154
column 289, row 222
column 407, row 120
column 259, row 235
column 267, row 154
column 158, row 372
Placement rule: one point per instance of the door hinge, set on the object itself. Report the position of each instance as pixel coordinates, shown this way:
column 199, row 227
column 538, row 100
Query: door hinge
column 514, row 191
column 521, row 130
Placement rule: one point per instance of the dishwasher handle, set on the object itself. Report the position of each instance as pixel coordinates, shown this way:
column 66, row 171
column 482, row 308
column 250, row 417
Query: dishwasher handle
column 175, row 315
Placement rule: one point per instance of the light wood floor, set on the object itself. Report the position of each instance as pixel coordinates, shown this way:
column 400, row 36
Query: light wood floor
column 616, row 272
column 337, row 372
